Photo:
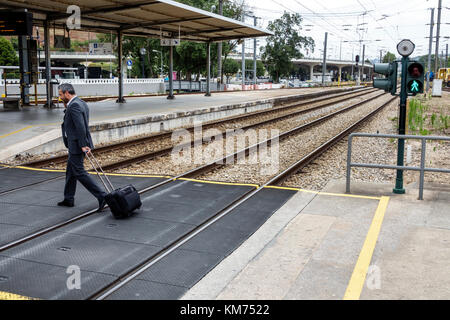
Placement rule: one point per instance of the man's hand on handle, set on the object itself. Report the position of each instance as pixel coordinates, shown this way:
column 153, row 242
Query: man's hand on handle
column 86, row 150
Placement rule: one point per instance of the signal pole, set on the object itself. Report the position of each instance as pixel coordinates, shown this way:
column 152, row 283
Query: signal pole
column 401, row 129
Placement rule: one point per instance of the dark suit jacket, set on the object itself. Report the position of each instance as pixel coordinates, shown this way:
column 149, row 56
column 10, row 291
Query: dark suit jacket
column 75, row 128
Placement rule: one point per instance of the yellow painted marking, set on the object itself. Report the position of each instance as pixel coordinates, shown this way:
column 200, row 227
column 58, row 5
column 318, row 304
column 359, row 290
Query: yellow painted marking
column 219, row 182
column 108, row 174
column 283, row 188
column 358, row 278
column 348, row 195
column 14, row 132
column 36, row 169
column 133, row 175
column 12, row 296
column 324, row 193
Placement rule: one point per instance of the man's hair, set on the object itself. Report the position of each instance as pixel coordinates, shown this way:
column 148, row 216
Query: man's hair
column 66, row 87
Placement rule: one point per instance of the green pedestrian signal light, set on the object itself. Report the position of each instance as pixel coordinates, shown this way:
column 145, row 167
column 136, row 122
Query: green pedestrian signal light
column 415, row 78
column 388, row 84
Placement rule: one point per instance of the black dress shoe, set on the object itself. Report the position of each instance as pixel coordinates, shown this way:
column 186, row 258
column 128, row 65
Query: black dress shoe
column 101, row 205
column 65, row 203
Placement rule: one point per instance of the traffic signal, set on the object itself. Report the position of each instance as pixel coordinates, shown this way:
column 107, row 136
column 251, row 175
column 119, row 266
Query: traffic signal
column 389, row 84
column 415, row 77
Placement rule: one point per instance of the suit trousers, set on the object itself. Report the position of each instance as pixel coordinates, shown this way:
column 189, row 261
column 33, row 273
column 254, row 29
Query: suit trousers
column 75, row 171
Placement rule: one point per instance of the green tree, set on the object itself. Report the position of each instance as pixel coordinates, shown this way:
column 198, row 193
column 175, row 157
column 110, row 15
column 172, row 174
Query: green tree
column 8, row 56
column 284, row 45
column 191, row 58
column 232, row 10
column 389, row 57
column 131, row 47
column 230, row 68
column 260, row 69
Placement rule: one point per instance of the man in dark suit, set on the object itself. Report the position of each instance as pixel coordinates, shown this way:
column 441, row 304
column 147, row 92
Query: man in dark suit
column 77, row 138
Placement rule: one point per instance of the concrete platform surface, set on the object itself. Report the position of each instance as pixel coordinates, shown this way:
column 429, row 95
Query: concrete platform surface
column 330, row 245
column 33, row 127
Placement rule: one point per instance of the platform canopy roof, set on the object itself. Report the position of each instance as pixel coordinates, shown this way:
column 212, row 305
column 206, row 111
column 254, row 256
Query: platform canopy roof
column 151, row 18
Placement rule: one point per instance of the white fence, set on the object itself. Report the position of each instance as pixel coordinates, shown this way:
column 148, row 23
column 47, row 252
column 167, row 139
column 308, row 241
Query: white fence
column 91, row 87
column 88, row 81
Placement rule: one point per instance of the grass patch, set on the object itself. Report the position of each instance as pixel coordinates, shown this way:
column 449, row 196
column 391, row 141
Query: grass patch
column 419, row 122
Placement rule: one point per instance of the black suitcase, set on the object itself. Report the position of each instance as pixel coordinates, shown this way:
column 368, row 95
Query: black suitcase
column 122, row 201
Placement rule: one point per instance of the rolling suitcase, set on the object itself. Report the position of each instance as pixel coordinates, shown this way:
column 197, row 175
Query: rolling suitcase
column 122, row 201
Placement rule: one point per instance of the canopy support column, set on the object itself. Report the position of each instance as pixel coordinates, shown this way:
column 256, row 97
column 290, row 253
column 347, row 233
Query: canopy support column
column 208, row 69
column 48, row 66
column 120, row 99
column 171, row 96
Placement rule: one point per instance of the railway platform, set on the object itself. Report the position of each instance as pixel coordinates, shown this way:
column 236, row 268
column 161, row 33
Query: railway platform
column 370, row 244
column 36, row 130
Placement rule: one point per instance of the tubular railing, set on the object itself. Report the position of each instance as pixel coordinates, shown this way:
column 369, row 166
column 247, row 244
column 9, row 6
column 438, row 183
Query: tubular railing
column 422, row 167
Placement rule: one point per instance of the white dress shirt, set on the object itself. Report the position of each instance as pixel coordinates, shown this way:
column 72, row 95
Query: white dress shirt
column 71, row 100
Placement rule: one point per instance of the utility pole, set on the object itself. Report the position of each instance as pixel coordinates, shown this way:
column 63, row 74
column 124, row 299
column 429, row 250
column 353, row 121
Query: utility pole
column 446, row 56
column 353, row 59
column 438, row 27
column 219, row 52
column 362, row 64
column 324, row 64
column 254, row 56
column 430, row 45
column 381, row 55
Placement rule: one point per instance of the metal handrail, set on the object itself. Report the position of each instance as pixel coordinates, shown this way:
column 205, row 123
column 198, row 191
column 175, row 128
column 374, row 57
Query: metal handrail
column 422, row 168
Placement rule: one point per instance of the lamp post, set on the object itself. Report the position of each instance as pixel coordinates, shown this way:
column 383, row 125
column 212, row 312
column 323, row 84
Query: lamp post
column 161, row 62
column 142, row 51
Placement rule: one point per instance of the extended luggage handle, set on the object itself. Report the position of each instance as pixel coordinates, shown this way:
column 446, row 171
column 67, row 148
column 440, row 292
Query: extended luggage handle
column 100, row 167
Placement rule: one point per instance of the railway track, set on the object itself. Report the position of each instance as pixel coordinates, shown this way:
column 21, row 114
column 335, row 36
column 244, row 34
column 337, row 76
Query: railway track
column 274, row 181
column 176, row 243
column 54, row 161
column 164, row 138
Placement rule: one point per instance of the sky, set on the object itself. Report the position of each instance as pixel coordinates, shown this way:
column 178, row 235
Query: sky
column 381, row 24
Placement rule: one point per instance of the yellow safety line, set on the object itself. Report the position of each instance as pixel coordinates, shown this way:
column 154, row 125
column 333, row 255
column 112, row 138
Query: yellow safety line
column 133, row 175
column 324, row 193
column 349, row 195
column 108, row 174
column 219, row 182
column 12, row 296
column 358, row 278
column 37, row 169
column 17, row 131
column 283, row 188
